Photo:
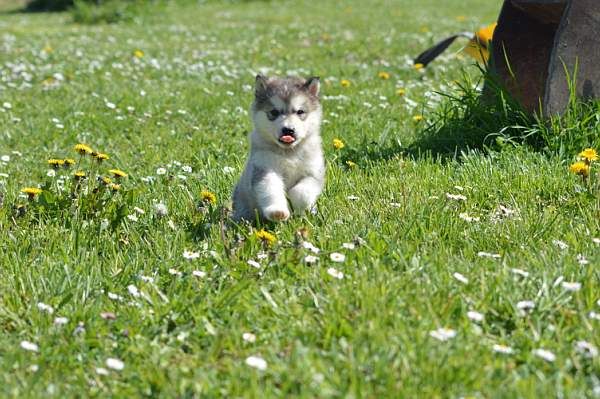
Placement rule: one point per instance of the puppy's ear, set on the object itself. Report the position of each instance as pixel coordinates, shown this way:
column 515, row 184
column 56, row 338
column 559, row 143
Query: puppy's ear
column 313, row 85
column 260, row 87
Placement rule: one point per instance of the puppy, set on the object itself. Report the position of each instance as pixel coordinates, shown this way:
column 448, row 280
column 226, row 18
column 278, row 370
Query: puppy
column 286, row 157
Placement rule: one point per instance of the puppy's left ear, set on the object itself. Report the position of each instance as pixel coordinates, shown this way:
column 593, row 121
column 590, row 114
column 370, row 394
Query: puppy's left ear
column 313, row 85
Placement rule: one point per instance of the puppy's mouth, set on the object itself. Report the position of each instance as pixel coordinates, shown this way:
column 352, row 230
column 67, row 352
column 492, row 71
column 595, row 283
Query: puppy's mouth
column 287, row 139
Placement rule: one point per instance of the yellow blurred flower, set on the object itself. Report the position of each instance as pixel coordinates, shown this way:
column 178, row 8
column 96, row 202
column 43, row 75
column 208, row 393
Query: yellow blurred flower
column 383, row 75
column 83, row 149
column 31, row 191
column 345, row 83
column 350, row 164
column 589, row 155
column 115, row 187
column 56, row 163
column 266, row 237
column 117, row 173
column 69, row 162
column 418, row 66
column 101, row 157
column 580, row 168
column 338, row 144
column 400, row 92
column 80, row 174
column 106, row 180
column 208, row 197
column 138, row 53
column 418, row 118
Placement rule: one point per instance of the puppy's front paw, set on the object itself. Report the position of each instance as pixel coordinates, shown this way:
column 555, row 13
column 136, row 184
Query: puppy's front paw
column 277, row 214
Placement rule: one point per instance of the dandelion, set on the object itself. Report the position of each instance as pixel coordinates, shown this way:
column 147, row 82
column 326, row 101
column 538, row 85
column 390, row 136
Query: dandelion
column 580, row 168
column 80, row 174
column 266, row 237
column 401, row 92
column 31, row 192
column 138, row 53
column 56, row 163
column 83, row 149
column 69, row 162
column 418, row 66
column 256, row 362
column 117, row 173
column 338, row 144
column 101, row 157
column 589, row 155
column 208, row 197
column 418, row 118
column 345, row 83
column 115, row 364
column 350, row 164
column 383, row 75
column 545, row 354
column 115, row 187
column 160, row 209
column 106, row 180
column 443, row 334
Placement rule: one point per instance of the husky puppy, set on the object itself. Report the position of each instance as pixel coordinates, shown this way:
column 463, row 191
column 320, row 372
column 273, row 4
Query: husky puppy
column 286, row 159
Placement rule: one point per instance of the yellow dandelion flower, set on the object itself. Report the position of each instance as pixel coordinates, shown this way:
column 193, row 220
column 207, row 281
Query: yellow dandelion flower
column 589, row 155
column 208, row 197
column 345, row 83
column 338, row 144
column 580, row 168
column 266, row 237
column 383, row 75
column 47, row 49
column 115, row 187
column 101, row 157
column 31, row 191
column 138, row 53
column 418, row 66
column 460, row 18
column 56, row 163
column 401, row 92
column 418, row 118
column 83, row 149
column 106, row 180
column 117, row 173
column 80, row 174
column 69, row 162
column 351, row 164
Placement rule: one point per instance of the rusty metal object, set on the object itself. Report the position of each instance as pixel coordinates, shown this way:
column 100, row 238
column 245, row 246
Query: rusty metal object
column 533, row 43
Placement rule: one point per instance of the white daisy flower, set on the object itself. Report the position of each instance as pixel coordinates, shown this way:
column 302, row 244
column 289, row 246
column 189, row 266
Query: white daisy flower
column 29, row 346
column 475, row 316
column 525, row 305
column 190, row 255
column 507, row 350
column 586, row 349
column 133, row 290
column 352, row 198
column 443, row 334
column 228, row 169
column 59, row 321
column 186, row 168
column 199, row 273
column 520, row 272
column 132, row 217
column 349, row 245
column 115, row 297
column 483, row 254
column 45, row 308
column 465, row 216
column 139, row 210
column 545, row 354
column 249, row 337
column 256, row 362
column 560, row 244
column 337, row 257
column 161, row 171
column 456, row 197
column 310, row 247
column 101, row 371
column 310, row 259
column 253, row 263
column 460, row 278
column 335, row 273
column 582, row 260
column 571, row 286
column 115, row 364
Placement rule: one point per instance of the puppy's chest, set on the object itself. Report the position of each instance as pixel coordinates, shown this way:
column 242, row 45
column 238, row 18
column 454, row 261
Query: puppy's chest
column 292, row 167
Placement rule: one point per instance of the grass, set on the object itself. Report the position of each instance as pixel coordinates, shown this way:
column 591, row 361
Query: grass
column 183, row 103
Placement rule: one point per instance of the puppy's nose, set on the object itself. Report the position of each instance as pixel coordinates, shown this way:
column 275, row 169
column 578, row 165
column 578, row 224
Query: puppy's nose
column 288, row 131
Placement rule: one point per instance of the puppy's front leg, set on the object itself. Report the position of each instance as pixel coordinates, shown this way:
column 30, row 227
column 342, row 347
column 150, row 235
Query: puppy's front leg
column 269, row 192
column 304, row 194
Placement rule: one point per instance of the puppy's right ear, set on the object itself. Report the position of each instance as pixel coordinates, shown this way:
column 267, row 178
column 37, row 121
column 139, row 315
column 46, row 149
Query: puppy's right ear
column 260, row 86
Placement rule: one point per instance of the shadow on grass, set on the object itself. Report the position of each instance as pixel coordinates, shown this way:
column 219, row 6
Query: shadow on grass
column 466, row 121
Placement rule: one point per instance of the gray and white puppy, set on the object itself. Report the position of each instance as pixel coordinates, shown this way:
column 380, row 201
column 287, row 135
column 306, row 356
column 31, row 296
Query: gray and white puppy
column 286, row 159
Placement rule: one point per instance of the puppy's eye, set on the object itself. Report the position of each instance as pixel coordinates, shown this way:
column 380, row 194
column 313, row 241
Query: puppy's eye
column 300, row 112
column 274, row 113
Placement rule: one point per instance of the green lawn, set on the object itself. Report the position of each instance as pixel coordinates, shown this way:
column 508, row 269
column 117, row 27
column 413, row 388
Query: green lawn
column 437, row 231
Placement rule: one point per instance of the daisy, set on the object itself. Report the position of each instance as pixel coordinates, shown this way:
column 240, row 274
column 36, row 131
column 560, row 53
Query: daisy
column 460, row 278
column 249, row 337
column 29, row 346
column 506, row 350
column 545, row 354
column 337, row 257
column 199, row 273
column 475, row 316
column 586, row 349
column 256, row 362
column 443, row 334
column 310, row 259
column 115, row 364
column 335, row 273
column 189, row 255
column 253, row 263
column 571, row 286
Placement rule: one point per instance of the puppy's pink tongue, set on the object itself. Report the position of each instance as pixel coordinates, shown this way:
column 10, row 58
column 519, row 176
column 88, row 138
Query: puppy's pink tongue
column 287, row 139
